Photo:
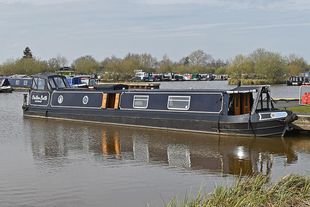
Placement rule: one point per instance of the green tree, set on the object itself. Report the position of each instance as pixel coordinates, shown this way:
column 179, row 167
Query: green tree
column 120, row 69
column 221, row 70
column 296, row 65
column 241, row 65
column 86, row 65
column 269, row 65
column 28, row 66
column 145, row 62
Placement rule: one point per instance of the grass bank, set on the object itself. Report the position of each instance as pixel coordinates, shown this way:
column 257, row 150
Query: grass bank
column 300, row 109
column 291, row 190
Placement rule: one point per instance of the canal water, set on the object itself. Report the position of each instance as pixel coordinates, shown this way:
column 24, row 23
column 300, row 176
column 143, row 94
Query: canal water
column 63, row 163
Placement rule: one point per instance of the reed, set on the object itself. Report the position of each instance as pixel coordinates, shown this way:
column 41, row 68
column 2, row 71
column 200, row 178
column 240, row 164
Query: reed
column 292, row 190
column 246, row 81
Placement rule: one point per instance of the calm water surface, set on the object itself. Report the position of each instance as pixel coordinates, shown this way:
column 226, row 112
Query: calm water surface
column 62, row 163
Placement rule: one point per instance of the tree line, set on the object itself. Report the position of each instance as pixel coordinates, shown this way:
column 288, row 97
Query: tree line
column 260, row 64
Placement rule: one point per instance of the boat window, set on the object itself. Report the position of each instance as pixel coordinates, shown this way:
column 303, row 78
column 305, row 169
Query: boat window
column 41, row 83
column 34, row 83
column 52, row 84
column 140, row 102
column 59, row 82
column 25, row 82
column 264, row 102
column 179, row 102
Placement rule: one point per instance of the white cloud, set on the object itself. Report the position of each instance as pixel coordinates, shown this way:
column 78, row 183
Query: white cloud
column 272, row 26
column 163, row 2
column 37, row 2
column 268, row 26
column 241, row 4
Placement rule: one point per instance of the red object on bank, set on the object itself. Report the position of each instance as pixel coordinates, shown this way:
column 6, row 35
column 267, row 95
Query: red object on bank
column 305, row 99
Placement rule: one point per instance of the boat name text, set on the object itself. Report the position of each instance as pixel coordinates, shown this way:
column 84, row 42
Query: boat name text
column 39, row 98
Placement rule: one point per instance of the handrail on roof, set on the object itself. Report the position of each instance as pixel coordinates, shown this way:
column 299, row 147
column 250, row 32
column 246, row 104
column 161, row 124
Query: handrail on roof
column 248, row 89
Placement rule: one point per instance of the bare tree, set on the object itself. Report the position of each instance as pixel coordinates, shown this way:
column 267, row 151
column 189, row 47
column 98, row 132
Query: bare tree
column 199, row 58
column 57, row 62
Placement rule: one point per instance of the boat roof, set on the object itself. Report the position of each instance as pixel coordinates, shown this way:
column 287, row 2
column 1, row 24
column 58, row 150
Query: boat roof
column 240, row 89
column 111, row 87
column 47, row 75
column 16, row 76
column 176, row 90
column 249, row 89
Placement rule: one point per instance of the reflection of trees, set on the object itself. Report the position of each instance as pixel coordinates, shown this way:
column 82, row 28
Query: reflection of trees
column 228, row 155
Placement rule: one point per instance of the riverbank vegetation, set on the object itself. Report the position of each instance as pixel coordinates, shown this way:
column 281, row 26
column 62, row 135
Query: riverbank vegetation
column 259, row 67
column 256, row 191
column 304, row 109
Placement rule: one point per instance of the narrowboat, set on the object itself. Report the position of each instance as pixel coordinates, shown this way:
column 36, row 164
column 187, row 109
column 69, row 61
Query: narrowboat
column 5, row 86
column 245, row 111
column 89, row 80
column 20, row 82
column 76, row 82
column 295, row 81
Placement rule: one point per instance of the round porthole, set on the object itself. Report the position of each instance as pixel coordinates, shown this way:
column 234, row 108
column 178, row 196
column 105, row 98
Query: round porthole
column 85, row 100
column 60, row 99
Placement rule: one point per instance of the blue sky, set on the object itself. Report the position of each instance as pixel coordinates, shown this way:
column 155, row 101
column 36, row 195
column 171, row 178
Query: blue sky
column 102, row 28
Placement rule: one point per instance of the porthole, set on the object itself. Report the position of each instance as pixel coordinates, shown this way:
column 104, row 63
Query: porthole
column 60, row 99
column 85, row 100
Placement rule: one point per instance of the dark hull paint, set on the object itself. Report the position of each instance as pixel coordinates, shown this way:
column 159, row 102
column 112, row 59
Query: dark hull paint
column 9, row 90
column 205, row 123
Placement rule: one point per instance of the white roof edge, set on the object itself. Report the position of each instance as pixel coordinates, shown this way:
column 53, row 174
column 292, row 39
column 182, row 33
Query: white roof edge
column 242, row 91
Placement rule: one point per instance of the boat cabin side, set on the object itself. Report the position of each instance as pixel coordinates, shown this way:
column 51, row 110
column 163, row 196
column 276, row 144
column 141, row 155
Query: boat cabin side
column 236, row 102
column 200, row 101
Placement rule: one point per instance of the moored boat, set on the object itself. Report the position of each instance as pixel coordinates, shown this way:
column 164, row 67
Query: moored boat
column 20, row 82
column 246, row 111
column 76, row 82
column 5, row 86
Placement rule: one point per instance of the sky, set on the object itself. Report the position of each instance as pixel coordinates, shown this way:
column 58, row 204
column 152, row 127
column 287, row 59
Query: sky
column 105, row 28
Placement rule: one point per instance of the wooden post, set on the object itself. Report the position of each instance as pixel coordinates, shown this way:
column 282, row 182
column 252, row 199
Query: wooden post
column 116, row 102
column 104, row 100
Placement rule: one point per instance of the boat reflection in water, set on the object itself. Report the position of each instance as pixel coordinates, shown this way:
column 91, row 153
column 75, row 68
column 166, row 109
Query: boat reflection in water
column 205, row 153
